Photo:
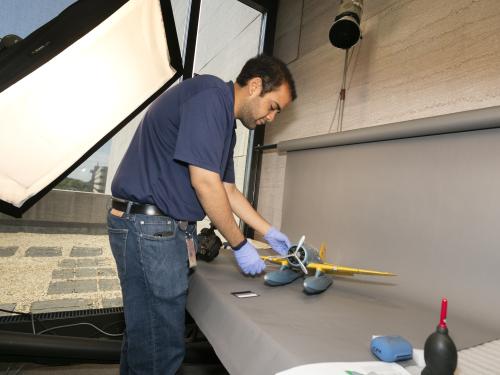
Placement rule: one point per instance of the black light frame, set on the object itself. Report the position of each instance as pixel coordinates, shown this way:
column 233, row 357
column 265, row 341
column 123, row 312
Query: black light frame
column 176, row 63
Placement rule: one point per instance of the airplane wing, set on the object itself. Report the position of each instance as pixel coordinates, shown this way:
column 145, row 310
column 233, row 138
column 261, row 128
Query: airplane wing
column 273, row 259
column 347, row 271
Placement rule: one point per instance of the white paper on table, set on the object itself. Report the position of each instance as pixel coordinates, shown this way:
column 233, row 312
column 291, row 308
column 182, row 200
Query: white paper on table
column 418, row 357
column 343, row 368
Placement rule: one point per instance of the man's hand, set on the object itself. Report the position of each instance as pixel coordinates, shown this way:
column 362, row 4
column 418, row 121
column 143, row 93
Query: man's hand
column 278, row 241
column 248, row 259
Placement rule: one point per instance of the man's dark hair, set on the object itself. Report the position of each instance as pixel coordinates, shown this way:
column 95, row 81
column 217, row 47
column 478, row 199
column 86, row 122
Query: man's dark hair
column 271, row 70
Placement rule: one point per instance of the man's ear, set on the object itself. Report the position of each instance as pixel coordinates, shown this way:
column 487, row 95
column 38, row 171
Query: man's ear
column 255, row 86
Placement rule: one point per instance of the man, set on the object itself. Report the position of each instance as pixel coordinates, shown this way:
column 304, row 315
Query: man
column 179, row 167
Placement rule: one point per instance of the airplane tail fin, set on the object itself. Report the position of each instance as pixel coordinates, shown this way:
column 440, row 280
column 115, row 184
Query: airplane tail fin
column 322, row 251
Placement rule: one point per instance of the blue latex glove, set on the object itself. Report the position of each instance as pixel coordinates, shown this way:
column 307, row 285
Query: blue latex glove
column 278, row 241
column 248, row 259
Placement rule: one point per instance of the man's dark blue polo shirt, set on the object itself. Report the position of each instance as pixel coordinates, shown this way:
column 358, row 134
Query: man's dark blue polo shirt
column 191, row 123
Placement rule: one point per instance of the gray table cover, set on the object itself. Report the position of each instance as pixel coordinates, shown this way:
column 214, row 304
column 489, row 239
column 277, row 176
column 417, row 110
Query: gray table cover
column 283, row 327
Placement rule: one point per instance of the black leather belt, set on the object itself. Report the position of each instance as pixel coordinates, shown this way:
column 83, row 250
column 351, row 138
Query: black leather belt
column 144, row 209
column 136, row 208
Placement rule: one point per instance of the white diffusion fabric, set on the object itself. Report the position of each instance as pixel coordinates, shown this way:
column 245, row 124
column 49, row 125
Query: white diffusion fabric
column 53, row 116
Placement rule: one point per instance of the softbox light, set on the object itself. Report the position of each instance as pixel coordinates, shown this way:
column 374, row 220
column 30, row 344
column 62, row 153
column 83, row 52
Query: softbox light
column 70, row 85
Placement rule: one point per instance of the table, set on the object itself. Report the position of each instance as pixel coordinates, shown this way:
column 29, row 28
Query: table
column 283, row 327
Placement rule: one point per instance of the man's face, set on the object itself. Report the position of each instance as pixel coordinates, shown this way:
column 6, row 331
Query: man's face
column 259, row 110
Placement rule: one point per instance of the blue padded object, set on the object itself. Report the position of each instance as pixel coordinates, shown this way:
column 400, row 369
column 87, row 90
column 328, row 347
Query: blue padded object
column 391, row 348
column 316, row 284
column 281, row 277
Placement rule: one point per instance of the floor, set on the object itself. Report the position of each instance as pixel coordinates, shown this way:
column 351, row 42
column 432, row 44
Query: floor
column 57, row 272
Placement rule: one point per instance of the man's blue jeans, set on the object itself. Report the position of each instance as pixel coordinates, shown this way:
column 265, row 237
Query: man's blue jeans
column 152, row 262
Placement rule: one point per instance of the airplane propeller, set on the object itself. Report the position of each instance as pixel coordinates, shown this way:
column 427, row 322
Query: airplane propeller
column 299, row 245
column 296, row 256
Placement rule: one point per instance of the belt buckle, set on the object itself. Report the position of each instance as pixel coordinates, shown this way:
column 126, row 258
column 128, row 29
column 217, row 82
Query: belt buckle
column 150, row 210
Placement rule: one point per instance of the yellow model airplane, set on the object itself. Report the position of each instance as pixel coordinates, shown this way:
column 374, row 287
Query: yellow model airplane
column 300, row 257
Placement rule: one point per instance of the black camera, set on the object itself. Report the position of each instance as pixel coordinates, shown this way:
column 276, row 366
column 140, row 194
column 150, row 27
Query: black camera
column 210, row 244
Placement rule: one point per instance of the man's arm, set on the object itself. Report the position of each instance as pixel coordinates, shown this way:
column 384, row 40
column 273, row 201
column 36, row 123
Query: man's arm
column 214, row 199
column 244, row 210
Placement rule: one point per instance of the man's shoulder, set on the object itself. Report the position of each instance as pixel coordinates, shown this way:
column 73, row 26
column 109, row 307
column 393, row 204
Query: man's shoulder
column 213, row 90
column 210, row 90
column 209, row 80
column 204, row 82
